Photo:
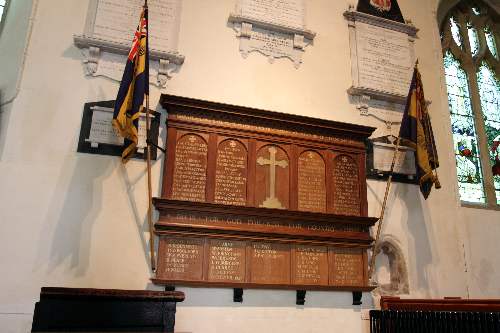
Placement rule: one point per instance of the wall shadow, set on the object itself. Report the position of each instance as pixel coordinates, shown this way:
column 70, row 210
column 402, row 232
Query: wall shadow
column 78, row 199
column 417, row 225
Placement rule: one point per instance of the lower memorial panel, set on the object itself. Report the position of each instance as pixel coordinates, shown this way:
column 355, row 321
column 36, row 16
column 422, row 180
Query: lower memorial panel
column 208, row 261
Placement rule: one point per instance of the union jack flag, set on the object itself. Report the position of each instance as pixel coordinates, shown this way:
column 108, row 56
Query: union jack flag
column 133, row 88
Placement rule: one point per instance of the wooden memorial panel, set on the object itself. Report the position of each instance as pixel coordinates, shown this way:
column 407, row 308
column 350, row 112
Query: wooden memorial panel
column 226, row 261
column 272, row 189
column 270, row 263
column 311, row 182
column 257, row 199
column 190, row 171
column 181, row 258
column 346, row 200
column 347, row 267
column 231, row 173
column 311, row 265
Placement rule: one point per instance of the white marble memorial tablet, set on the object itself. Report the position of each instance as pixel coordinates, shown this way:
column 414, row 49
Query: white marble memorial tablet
column 284, row 12
column 274, row 28
column 103, row 132
column 382, row 62
column 116, row 21
column 385, row 59
column 110, row 29
column 383, row 154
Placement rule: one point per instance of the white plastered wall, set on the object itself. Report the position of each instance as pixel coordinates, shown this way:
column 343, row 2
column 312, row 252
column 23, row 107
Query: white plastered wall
column 77, row 220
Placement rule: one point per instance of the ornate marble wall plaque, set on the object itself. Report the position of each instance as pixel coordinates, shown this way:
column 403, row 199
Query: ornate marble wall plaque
column 274, row 28
column 382, row 61
column 264, row 199
column 109, row 31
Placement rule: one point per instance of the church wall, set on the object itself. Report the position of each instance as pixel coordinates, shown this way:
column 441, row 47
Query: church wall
column 12, row 43
column 78, row 220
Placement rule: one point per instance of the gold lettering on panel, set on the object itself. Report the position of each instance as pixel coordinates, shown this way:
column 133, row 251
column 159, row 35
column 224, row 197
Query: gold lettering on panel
column 311, row 182
column 190, row 171
column 346, row 199
column 231, row 174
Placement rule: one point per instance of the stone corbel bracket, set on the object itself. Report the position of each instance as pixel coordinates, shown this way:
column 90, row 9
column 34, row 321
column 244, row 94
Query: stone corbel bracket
column 363, row 96
column 300, row 38
column 168, row 61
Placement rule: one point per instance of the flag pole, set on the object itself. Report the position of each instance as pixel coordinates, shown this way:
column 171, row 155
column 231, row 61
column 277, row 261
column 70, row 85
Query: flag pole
column 148, row 160
column 382, row 212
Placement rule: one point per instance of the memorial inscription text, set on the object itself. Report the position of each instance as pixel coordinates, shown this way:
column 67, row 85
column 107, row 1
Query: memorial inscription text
column 182, row 259
column 284, row 12
column 311, row 183
column 231, row 174
column 190, row 173
column 347, row 267
column 311, row 265
column 346, row 199
column 116, row 20
column 227, row 261
column 384, row 59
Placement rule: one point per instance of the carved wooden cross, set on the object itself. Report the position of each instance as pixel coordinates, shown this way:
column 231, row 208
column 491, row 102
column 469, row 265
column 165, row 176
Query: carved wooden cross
column 272, row 201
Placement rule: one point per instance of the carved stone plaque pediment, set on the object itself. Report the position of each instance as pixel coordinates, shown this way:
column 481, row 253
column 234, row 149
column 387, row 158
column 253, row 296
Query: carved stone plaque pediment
column 254, row 198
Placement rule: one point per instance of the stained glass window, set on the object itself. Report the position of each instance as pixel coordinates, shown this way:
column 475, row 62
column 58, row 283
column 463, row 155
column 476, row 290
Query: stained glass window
column 490, row 40
column 473, row 39
column 2, row 7
column 464, row 132
column 489, row 90
column 455, row 31
column 473, row 83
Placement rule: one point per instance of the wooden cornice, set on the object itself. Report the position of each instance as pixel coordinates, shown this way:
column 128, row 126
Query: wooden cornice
column 212, row 110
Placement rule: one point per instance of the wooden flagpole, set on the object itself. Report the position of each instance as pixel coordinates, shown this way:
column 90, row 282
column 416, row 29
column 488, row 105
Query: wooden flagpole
column 150, row 191
column 148, row 160
column 382, row 213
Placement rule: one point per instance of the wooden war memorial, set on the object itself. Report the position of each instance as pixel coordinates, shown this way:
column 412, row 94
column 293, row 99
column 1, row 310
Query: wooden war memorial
column 259, row 199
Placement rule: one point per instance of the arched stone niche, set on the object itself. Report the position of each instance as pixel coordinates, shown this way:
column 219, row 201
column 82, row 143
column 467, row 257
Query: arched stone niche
column 391, row 272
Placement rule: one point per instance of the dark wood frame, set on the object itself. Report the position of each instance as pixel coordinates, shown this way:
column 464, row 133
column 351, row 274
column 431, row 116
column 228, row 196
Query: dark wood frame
column 215, row 122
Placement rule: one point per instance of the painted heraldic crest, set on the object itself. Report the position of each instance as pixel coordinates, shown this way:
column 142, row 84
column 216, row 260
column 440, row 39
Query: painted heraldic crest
column 387, row 9
column 382, row 5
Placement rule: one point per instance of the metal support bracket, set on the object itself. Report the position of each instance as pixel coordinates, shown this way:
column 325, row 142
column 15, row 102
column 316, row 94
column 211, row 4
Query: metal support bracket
column 238, row 295
column 301, row 297
column 356, row 297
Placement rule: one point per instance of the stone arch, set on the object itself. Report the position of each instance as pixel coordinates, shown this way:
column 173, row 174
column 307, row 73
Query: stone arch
column 398, row 284
column 445, row 6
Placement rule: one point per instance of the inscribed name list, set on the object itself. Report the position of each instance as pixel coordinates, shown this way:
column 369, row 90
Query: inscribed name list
column 231, row 174
column 311, row 183
column 384, row 59
column 181, row 259
column 346, row 199
column 347, row 267
column 311, row 265
column 190, row 171
column 284, row 12
column 116, row 21
column 270, row 263
column 226, row 261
